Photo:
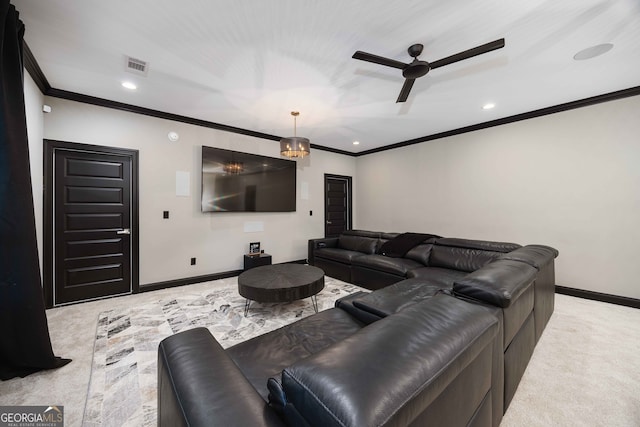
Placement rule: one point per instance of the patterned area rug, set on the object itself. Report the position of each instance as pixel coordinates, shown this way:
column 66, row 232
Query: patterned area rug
column 122, row 389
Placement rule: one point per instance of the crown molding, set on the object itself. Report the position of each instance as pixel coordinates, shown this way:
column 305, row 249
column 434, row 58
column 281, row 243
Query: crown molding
column 33, row 68
column 612, row 96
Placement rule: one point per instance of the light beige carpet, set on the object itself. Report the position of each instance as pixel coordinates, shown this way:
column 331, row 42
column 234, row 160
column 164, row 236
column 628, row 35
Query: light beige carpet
column 585, row 370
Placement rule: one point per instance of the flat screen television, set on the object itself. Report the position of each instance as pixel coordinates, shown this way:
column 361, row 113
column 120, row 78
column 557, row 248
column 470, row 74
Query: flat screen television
column 241, row 182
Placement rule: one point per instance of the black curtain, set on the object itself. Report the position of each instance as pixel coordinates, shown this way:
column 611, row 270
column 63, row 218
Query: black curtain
column 25, row 346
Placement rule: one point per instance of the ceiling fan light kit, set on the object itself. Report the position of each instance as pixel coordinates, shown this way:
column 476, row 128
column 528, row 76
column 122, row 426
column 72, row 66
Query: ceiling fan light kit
column 295, row 146
column 417, row 68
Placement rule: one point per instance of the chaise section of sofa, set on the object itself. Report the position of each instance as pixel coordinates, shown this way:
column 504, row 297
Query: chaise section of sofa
column 267, row 355
column 435, row 363
column 431, row 364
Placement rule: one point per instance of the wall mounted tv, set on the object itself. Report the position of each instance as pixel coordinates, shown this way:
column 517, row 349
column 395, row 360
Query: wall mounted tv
column 242, row 182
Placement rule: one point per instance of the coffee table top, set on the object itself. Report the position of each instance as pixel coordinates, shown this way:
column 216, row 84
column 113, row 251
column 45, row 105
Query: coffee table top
column 280, row 282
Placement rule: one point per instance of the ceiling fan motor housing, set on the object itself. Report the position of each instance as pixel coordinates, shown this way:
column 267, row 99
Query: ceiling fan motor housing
column 416, row 69
column 415, row 50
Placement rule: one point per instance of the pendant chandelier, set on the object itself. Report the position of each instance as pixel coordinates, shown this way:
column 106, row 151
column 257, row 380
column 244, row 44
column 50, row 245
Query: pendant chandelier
column 294, row 146
column 233, row 167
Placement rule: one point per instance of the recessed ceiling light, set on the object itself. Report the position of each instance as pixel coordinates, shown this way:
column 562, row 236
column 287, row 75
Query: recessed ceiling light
column 356, row 142
column 488, row 106
column 593, row 51
column 129, row 85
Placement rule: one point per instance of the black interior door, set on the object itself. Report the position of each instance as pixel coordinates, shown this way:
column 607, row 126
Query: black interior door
column 337, row 205
column 92, row 221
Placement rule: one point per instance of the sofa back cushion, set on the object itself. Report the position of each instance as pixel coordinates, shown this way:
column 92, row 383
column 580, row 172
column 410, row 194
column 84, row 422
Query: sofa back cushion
column 462, row 259
column 367, row 245
column 484, row 245
column 420, row 253
column 362, row 233
column 389, row 236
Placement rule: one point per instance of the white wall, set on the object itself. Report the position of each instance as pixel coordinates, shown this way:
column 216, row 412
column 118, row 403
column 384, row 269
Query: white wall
column 569, row 180
column 217, row 240
column 34, row 100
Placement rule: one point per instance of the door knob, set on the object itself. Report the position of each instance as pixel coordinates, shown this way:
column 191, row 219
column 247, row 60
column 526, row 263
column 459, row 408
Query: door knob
column 328, row 222
column 124, row 231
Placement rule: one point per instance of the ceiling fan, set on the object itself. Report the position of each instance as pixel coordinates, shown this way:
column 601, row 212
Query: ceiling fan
column 416, row 68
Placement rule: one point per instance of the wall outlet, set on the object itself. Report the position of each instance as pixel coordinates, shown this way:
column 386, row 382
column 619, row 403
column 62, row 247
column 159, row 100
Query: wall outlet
column 193, row 261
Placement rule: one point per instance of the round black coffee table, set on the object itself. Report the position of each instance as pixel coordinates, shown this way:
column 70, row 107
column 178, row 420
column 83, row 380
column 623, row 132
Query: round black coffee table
column 281, row 283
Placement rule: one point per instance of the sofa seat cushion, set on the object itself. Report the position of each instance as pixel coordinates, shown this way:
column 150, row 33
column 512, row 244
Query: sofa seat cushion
column 397, row 297
column 337, row 254
column 397, row 266
column 267, row 355
column 499, row 283
column 438, row 276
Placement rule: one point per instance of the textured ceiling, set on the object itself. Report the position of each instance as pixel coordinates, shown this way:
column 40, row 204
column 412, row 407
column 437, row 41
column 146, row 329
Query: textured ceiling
column 248, row 64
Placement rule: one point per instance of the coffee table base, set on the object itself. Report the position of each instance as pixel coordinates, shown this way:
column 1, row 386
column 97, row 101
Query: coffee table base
column 314, row 302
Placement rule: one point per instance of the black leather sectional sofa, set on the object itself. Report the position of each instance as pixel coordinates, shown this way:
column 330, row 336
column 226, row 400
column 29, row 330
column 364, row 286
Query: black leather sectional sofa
column 443, row 340
column 357, row 257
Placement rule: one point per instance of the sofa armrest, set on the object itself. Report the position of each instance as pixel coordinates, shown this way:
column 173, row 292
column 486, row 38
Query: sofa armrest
column 199, row 385
column 499, row 283
column 327, row 242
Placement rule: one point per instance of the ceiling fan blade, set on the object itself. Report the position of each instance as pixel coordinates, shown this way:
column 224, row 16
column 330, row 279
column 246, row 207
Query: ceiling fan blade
column 369, row 57
column 406, row 88
column 479, row 50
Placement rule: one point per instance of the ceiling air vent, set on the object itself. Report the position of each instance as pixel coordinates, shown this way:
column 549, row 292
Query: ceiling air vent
column 136, row 66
